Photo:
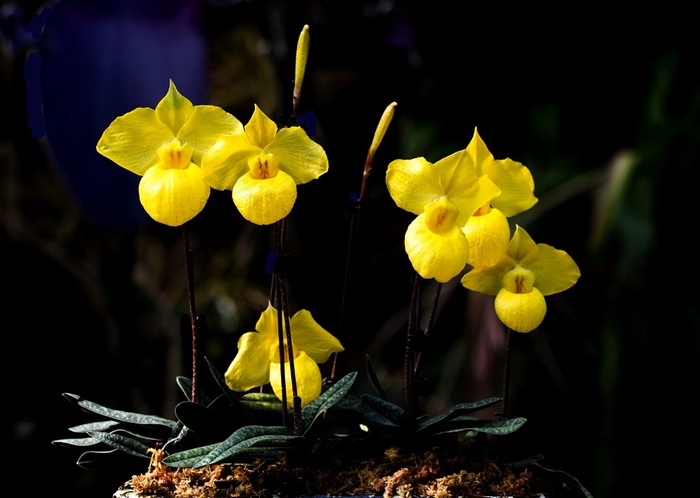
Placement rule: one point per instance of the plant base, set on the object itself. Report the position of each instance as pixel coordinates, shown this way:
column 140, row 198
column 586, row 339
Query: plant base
column 428, row 474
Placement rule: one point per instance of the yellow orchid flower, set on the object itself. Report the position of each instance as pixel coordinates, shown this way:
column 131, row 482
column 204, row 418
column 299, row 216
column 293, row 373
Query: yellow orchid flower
column 487, row 230
column 522, row 276
column 444, row 195
column 165, row 146
column 258, row 359
column 262, row 167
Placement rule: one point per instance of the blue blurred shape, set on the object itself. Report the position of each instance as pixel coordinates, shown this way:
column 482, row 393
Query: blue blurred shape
column 97, row 61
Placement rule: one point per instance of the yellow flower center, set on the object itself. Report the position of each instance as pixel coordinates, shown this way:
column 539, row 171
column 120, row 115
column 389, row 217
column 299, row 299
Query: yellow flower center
column 519, row 280
column 440, row 216
column 263, row 166
column 175, row 155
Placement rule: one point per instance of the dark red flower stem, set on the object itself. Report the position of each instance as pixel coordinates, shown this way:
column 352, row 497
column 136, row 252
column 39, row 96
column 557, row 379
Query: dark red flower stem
column 279, row 301
column 194, row 324
column 506, row 376
column 410, row 354
column 355, row 214
column 429, row 323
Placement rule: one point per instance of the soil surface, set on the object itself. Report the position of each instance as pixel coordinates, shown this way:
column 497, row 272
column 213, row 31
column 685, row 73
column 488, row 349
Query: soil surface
column 399, row 473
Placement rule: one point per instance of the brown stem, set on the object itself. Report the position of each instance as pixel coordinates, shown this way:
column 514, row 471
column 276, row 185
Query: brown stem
column 280, row 342
column 354, row 227
column 429, row 322
column 506, row 377
column 284, row 327
column 193, row 313
column 410, row 356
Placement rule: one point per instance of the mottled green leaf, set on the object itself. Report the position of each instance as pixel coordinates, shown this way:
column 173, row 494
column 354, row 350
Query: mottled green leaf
column 102, row 426
column 454, row 412
column 122, row 443
column 123, row 416
column 246, row 437
column 329, row 398
column 383, row 412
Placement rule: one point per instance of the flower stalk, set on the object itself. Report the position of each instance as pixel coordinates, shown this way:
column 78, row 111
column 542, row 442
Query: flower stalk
column 429, row 323
column 278, row 297
column 506, row 377
column 410, row 353
column 194, row 319
column 379, row 133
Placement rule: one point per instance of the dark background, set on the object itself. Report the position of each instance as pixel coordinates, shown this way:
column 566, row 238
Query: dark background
column 603, row 108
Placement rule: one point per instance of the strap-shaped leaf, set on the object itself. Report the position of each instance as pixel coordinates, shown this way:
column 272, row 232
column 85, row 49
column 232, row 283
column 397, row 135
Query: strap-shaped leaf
column 140, row 437
column 383, row 412
column 329, row 398
column 495, row 427
column 123, row 416
column 220, row 381
column 258, row 397
column 241, row 410
column 188, row 458
column 265, row 443
column 102, row 425
column 91, row 441
column 122, row 443
column 262, row 402
column 77, row 441
column 245, row 437
column 454, row 412
column 349, row 402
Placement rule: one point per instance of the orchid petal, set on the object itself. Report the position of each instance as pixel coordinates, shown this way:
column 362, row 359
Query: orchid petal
column 488, row 236
column 480, row 154
column 522, row 246
column 260, row 130
column 174, row 109
column 463, row 187
column 251, row 366
column 520, row 312
column 205, row 124
column 313, row 339
column 299, row 156
column 265, row 201
column 227, row 160
column 173, row 196
column 516, row 184
column 132, row 140
column 555, row 270
column 435, row 256
column 487, row 279
column 413, row 183
column 307, row 375
column 513, row 178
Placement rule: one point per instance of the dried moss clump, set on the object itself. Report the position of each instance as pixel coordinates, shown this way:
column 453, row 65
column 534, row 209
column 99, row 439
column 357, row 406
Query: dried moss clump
column 397, row 473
